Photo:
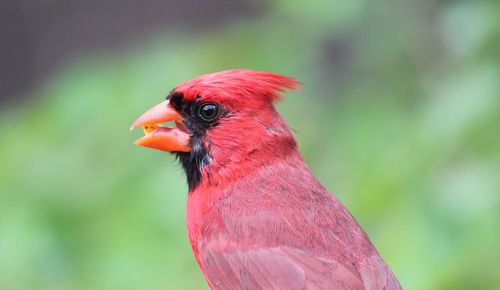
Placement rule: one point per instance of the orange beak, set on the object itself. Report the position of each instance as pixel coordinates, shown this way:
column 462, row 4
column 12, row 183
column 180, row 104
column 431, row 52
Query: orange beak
column 161, row 137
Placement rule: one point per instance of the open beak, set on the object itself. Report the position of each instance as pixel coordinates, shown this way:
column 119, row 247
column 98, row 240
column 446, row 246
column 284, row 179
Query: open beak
column 161, row 137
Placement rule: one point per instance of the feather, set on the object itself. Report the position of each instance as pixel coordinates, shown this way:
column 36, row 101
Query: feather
column 238, row 84
column 284, row 232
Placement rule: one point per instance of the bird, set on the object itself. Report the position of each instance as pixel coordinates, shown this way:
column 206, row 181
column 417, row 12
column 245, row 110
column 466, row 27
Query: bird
column 256, row 216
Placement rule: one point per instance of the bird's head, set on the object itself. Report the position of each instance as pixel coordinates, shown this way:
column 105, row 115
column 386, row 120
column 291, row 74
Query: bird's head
column 226, row 124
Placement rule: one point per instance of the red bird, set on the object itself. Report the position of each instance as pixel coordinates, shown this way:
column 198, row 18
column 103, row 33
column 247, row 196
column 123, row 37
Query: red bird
column 257, row 218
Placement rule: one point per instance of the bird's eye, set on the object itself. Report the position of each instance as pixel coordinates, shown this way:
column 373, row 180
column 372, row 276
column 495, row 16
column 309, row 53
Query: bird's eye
column 209, row 112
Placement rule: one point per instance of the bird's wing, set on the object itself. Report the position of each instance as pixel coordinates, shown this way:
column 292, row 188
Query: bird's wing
column 377, row 275
column 271, row 254
column 275, row 268
column 287, row 233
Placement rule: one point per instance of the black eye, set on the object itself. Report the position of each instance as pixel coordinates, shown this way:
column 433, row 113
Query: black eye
column 209, row 112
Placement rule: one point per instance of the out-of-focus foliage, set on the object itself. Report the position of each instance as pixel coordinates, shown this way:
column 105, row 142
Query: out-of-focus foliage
column 399, row 116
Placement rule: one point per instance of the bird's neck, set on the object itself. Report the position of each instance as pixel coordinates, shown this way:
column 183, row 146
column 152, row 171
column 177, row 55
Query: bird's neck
column 229, row 166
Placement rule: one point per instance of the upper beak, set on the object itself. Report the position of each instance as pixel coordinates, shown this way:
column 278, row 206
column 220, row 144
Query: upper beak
column 160, row 137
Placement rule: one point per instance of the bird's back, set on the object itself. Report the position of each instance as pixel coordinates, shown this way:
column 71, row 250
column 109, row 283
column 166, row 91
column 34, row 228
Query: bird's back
column 284, row 232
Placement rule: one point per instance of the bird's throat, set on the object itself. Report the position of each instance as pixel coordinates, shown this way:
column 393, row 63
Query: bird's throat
column 194, row 162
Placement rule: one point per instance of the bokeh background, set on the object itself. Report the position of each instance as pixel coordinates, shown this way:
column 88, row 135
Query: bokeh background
column 399, row 116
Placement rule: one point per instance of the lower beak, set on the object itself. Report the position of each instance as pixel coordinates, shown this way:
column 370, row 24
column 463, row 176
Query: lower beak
column 161, row 137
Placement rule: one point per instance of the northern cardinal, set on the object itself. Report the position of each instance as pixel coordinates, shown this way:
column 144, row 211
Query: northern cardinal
column 257, row 218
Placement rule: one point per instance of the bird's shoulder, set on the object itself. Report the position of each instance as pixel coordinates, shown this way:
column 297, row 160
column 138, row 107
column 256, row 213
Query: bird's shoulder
column 287, row 232
column 285, row 208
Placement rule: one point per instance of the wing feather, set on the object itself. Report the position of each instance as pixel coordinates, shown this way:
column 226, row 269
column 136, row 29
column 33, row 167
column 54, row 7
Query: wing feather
column 287, row 232
column 276, row 268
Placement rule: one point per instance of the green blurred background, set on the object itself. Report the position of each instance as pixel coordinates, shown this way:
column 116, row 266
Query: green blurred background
column 399, row 116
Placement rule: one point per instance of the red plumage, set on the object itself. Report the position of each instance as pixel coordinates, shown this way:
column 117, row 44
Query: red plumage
column 258, row 218
column 238, row 84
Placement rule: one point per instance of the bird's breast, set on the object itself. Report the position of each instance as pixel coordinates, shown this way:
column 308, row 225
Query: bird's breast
column 200, row 212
